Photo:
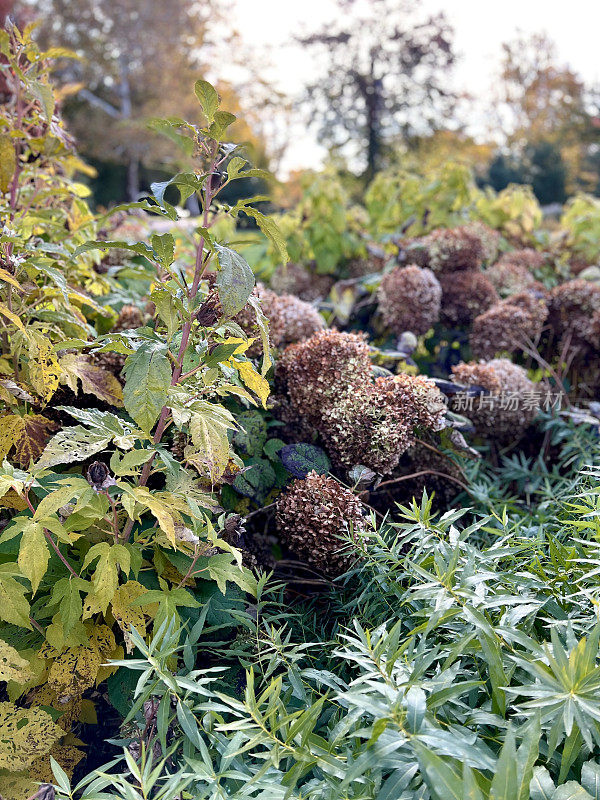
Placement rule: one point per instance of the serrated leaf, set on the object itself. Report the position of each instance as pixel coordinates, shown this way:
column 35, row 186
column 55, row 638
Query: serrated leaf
column 94, row 380
column 271, row 230
column 43, row 366
column 105, row 581
column 33, row 554
column 164, row 247
column 253, row 380
column 223, row 119
column 129, row 615
column 148, row 378
column 6, row 312
column 235, row 280
column 159, row 509
column 210, row 451
column 208, row 99
column 14, row 607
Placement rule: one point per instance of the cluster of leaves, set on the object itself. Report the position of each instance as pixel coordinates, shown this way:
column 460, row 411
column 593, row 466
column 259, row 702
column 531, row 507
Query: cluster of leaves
column 470, row 670
column 103, row 528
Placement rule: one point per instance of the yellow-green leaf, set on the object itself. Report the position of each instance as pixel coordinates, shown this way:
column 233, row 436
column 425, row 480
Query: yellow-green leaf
column 33, row 554
column 8, row 161
column 253, row 380
column 13, row 667
column 25, row 734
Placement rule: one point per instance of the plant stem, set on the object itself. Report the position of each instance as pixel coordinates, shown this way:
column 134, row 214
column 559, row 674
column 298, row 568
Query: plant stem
column 199, row 268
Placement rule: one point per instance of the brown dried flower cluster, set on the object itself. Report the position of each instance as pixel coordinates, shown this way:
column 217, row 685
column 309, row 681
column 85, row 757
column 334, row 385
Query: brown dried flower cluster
column 316, row 372
column 571, row 309
column 511, row 404
column 328, row 382
column 297, row 280
column 312, row 516
column 374, row 424
column 449, row 250
column 130, row 317
column 465, row 295
column 409, row 299
column 509, row 278
column 290, row 320
column 509, row 325
column 527, row 257
column 489, row 238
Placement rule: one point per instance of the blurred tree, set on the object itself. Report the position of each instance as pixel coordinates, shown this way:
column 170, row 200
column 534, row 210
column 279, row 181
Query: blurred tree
column 540, row 164
column 542, row 103
column 385, row 77
column 547, row 172
column 139, row 60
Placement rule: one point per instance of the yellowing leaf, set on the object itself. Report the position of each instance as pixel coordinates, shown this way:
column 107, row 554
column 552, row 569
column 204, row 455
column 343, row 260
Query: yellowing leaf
column 8, row 278
column 253, row 380
column 44, row 370
column 25, row 734
column 105, row 581
column 28, row 435
column 71, row 486
column 14, row 607
column 74, row 671
column 159, row 509
column 128, row 616
column 13, row 667
column 6, row 312
column 210, row 452
column 94, row 379
column 12, row 500
column 8, row 161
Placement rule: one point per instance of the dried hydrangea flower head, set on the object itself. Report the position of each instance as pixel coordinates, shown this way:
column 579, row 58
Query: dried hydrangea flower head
column 313, row 515
column 488, row 237
column 511, row 404
column 301, row 282
column 465, row 295
column 409, row 299
column 290, row 320
column 571, row 308
column 130, row 318
column 370, row 425
column 527, row 257
column 316, row 372
column 508, row 278
column 509, row 326
column 448, row 250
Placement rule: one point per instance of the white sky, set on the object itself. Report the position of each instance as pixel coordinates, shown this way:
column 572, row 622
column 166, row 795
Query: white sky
column 480, row 27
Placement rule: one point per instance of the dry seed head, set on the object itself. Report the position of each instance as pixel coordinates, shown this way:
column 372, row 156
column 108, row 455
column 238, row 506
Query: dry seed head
column 409, row 299
column 448, row 250
column 509, row 278
column 316, row 372
column 511, row 405
column 508, row 326
column 312, row 514
column 465, row 295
